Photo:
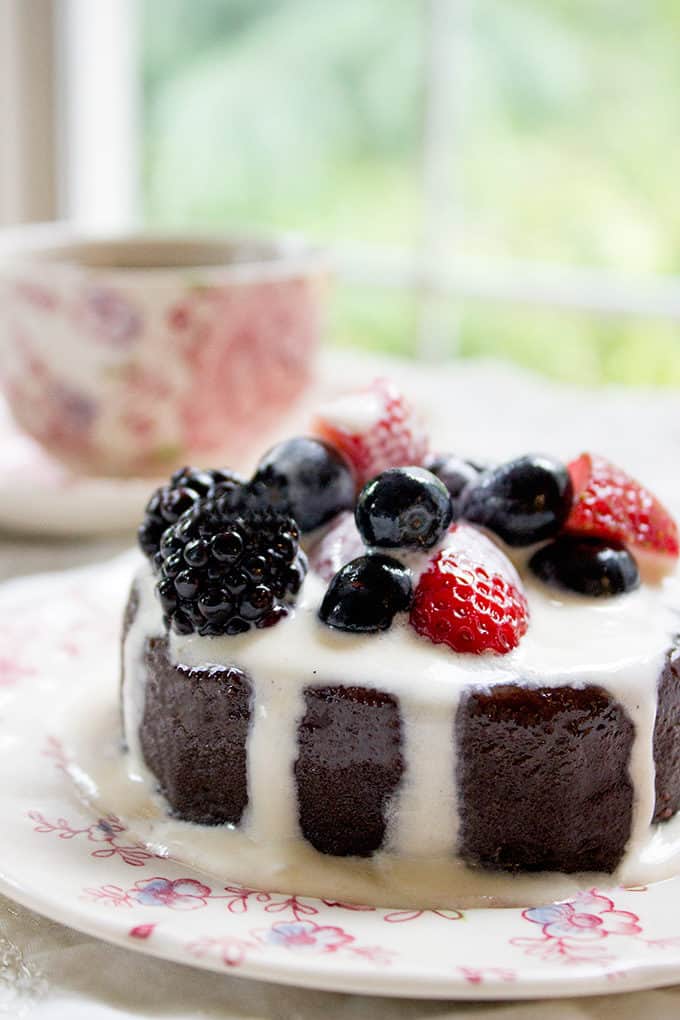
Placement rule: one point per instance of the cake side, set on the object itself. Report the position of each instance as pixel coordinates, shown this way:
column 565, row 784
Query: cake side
column 193, row 736
column 543, row 778
column 667, row 738
column 349, row 764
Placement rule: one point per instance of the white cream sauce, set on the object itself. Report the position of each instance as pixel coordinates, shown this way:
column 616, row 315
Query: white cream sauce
column 619, row 644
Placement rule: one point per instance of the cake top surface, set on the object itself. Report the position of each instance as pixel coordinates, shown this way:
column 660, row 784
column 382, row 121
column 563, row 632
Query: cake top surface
column 358, row 554
column 570, row 641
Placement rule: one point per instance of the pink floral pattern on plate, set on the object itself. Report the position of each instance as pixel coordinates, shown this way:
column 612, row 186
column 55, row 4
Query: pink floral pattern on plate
column 579, row 930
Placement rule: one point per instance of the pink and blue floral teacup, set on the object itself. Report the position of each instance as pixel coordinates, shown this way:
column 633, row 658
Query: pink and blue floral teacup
column 133, row 355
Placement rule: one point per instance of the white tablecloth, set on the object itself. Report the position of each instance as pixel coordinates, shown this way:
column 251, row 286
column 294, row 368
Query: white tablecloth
column 485, row 410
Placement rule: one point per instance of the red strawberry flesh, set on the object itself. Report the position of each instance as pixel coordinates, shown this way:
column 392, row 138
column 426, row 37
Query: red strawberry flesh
column 375, row 428
column 610, row 505
column 470, row 597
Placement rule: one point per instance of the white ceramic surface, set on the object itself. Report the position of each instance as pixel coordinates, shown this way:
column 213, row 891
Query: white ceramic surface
column 40, row 496
column 91, row 873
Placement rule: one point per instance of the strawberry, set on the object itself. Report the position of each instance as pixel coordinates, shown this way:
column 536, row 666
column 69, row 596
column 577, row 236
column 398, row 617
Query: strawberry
column 376, row 428
column 341, row 543
column 610, row 505
column 470, row 597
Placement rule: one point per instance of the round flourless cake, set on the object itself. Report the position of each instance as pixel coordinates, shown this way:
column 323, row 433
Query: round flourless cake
column 477, row 681
column 560, row 756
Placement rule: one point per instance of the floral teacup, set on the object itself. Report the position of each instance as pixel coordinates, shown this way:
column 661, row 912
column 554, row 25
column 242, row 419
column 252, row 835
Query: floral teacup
column 134, row 355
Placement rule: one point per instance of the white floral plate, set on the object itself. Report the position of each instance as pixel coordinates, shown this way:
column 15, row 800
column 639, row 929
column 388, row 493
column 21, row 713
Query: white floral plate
column 60, row 636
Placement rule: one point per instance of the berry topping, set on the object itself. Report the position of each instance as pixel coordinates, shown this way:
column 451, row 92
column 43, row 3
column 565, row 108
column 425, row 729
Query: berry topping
column 406, row 507
column 586, row 565
column 523, row 501
column 611, row 505
column 341, row 543
column 309, row 478
column 455, row 473
column 170, row 501
column 231, row 562
column 366, row 594
column 470, row 597
column 375, row 428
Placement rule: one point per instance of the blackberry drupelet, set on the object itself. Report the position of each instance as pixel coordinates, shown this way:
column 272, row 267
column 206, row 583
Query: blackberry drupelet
column 231, row 562
column 170, row 501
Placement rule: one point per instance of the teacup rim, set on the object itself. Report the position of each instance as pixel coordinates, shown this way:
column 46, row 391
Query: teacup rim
column 291, row 254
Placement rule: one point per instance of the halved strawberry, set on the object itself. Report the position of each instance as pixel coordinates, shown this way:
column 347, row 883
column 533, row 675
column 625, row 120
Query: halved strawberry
column 376, row 428
column 611, row 505
column 470, row 597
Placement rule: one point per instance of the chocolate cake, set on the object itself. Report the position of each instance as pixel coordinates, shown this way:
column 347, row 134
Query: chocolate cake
column 447, row 695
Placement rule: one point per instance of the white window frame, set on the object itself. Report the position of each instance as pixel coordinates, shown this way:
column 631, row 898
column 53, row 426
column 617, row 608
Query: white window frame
column 95, row 161
column 28, row 186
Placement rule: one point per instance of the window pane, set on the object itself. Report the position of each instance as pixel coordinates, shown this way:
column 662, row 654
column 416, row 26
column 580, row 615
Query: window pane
column 571, row 132
column 284, row 113
column 375, row 318
column 574, row 347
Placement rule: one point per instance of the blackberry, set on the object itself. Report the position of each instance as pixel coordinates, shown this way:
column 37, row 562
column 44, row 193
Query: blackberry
column 231, row 562
column 170, row 501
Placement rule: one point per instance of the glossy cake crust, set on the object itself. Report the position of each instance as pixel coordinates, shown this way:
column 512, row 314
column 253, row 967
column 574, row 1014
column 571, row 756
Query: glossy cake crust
column 543, row 779
column 193, row 736
column 667, row 738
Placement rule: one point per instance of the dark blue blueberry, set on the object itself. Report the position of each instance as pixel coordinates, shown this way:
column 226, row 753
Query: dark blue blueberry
column 403, row 508
column 455, row 473
column 586, row 565
column 523, row 501
column 309, row 479
column 366, row 594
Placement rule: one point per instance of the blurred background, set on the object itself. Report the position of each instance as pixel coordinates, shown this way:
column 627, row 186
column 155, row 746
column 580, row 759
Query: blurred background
column 491, row 176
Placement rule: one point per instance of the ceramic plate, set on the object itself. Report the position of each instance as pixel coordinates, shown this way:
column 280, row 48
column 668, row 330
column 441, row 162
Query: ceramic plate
column 39, row 496
column 60, row 636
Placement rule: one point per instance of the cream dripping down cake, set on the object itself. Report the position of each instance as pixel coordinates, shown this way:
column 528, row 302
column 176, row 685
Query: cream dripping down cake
column 372, row 661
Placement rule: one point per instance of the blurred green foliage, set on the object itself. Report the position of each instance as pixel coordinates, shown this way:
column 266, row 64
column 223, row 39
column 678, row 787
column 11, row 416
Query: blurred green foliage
column 303, row 114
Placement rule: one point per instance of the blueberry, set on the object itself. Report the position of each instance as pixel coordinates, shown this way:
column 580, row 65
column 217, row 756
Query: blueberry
column 309, row 478
column 586, row 565
column 523, row 501
column 365, row 595
column 455, row 473
column 403, row 508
